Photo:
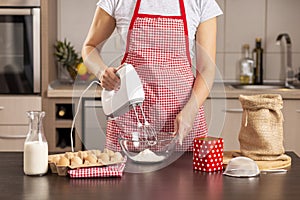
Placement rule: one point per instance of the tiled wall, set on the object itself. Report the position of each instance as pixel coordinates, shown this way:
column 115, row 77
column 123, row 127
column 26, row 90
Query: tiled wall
column 243, row 21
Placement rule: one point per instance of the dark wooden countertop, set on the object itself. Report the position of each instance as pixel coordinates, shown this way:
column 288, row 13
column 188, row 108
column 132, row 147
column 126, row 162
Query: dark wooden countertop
column 177, row 181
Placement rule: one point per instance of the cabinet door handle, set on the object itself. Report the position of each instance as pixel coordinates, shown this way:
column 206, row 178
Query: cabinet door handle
column 12, row 136
column 14, row 11
column 1, row 107
column 233, row 110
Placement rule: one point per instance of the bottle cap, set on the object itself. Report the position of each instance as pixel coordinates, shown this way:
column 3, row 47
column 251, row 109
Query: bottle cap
column 246, row 46
column 258, row 39
column 258, row 42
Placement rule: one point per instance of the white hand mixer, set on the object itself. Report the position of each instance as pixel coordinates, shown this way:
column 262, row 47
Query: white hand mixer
column 130, row 95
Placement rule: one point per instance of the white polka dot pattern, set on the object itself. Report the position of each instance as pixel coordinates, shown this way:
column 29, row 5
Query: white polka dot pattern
column 208, row 154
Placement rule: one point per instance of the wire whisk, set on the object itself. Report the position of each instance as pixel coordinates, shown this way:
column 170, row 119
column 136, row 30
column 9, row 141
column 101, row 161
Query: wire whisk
column 148, row 133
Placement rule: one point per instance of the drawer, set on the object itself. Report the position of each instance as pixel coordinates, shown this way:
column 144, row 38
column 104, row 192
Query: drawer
column 13, row 109
column 224, row 120
column 12, row 138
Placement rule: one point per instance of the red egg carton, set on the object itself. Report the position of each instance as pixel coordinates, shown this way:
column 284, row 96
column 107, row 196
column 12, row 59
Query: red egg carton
column 208, row 154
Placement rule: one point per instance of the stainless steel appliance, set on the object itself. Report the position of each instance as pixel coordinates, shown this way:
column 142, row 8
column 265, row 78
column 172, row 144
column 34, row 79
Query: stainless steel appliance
column 20, row 71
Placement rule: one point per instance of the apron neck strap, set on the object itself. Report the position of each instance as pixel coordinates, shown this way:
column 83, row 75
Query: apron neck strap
column 138, row 4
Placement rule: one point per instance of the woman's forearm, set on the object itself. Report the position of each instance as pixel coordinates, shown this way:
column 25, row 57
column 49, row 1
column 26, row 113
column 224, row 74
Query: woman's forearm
column 93, row 60
column 205, row 60
column 202, row 87
column 101, row 28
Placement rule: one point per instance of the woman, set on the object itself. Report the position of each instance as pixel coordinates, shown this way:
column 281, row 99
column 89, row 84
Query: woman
column 158, row 35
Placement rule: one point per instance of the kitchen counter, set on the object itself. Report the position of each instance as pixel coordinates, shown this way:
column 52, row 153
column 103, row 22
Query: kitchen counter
column 177, row 181
column 69, row 90
column 56, row 89
column 226, row 90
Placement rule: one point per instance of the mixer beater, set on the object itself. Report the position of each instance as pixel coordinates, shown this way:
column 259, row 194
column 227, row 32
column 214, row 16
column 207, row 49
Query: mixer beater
column 147, row 132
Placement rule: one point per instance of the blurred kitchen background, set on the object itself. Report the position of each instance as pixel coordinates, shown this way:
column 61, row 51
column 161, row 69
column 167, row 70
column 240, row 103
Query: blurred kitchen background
column 242, row 22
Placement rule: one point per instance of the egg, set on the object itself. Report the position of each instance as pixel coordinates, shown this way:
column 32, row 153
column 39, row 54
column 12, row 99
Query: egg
column 109, row 152
column 75, row 161
column 55, row 159
column 82, row 154
column 117, row 157
column 86, row 162
column 104, row 157
column 92, row 159
column 63, row 161
column 99, row 161
column 69, row 155
column 96, row 152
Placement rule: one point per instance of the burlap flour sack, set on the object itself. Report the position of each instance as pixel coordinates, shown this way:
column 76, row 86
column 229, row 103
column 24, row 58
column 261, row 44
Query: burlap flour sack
column 261, row 133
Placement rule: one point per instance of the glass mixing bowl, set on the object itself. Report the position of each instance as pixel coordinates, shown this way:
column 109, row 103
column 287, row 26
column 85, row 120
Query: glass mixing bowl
column 142, row 151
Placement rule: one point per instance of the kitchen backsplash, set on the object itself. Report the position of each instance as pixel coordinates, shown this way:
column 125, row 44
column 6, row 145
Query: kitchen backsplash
column 242, row 22
column 245, row 20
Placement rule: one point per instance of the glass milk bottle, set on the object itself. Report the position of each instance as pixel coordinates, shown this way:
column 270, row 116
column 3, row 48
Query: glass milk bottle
column 36, row 146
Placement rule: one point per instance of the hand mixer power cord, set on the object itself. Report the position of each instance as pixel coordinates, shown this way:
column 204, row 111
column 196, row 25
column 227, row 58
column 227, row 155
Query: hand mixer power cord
column 77, row 110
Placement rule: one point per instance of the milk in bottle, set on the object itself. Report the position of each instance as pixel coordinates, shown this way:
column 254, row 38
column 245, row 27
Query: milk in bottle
column 35, row 146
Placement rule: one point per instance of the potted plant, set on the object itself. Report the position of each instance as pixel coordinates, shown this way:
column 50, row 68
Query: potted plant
column 67, row 59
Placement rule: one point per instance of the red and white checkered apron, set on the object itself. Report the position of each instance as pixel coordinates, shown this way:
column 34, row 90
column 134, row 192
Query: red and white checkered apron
column 157, row 46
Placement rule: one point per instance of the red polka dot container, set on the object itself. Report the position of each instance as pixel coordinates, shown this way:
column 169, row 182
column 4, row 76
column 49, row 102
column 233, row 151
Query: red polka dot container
column 208, row 154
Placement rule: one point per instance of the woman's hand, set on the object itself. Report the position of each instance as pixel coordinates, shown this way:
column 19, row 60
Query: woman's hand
column 108, row 79
column 185, row 119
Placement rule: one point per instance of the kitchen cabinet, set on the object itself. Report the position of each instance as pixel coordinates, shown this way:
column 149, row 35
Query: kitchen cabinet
column 58, row 129
column 291, row 126
column 14, row 121
column 223, row 118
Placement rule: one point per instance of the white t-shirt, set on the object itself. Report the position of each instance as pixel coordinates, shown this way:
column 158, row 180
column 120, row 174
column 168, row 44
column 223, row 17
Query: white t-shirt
column 197, row 11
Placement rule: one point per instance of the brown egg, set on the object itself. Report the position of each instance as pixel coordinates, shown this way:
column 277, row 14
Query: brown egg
column 96, row 152
column 109, row 152
column 76, row 161
column 117, row 157
column 104, row 157
column 99, row 161
column 92, row 159
column 86, row 162
column 55, row 159
column 51, row 159
column 82, row 154
column 63, row 161
column 69, row 155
